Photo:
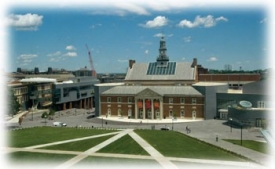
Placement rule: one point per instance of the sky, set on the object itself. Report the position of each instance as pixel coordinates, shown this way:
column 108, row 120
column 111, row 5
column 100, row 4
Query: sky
column 56, row 35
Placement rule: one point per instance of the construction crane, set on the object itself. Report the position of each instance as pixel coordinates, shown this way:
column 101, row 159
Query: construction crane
column 91, row 62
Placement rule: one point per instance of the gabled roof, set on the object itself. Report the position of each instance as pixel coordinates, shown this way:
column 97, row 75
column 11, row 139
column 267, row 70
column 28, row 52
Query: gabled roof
column 139, row 71
column 160, row 90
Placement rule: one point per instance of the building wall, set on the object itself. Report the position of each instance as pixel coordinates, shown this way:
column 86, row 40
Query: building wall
column 79, row 94
column 176, row 107
column 209, row 92
column 98, row 89
column 250, row 117
column 159, row 82
column 229, row 77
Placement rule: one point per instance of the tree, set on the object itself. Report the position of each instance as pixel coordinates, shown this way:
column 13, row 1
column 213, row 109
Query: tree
column 14, row 105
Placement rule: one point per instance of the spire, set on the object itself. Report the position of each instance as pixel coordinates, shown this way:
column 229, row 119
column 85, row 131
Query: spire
column 162, row 59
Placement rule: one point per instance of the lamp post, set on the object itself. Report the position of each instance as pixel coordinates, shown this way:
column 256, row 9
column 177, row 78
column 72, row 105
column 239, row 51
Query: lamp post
column 172, row 123
column 230, row 119
column 32, row 97
column 241, row 134
column 102, row 122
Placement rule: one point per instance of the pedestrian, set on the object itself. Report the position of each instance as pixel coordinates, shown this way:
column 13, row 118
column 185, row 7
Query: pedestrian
column 186, row 129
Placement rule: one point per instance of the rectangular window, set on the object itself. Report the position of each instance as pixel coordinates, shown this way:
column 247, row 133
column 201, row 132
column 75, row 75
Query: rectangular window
column 182, row 100
column 194, row 101
column 119, row 99
column 261, row 104
column 170, row 100
column 182, row 113
column 109, row 99
column 171, row 114
column 130, row 100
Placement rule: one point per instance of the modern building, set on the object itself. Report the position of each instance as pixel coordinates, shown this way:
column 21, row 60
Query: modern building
column 259, row 111
column 77, row 92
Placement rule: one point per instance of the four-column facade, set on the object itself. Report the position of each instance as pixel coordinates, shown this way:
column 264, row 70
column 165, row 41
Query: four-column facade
column 148, row 107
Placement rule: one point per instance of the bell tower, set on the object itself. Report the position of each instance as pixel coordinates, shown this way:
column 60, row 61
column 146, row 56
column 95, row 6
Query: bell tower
column 162, row 59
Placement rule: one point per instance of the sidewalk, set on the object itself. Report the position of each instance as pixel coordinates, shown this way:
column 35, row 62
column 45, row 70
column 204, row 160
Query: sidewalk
column 148, row 121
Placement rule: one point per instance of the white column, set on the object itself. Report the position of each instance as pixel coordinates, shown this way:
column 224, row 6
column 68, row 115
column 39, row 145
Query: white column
column 152, row 108
column 136, row 108
column 161, row 108
column 143, row 108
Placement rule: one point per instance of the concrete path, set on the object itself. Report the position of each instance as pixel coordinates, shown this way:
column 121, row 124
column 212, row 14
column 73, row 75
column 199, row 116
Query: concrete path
column 71, row 140
column 83, row 155
column 163, row 161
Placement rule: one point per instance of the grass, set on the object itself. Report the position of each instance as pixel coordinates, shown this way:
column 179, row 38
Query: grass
column 82, row 145
column 175, row 144
column 43, row 135
column 124, row 145
column 254, row 145
column 23, row 158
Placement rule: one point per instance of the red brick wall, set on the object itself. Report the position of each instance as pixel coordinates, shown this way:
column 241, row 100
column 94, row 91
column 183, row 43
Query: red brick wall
column 229, row 77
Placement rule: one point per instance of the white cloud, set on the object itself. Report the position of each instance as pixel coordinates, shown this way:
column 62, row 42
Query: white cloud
column 70, row 47
column 27, row 56
column 122, row 61
column 187, row 39
column 158, row 21
column 146, row 52
column 212, row 59
column 71, row 54
column 159, row 35
column 27, row 22
column 25, row 59
column 58, row 53
column 264, row 20
column 96, row 25
column 207, row 22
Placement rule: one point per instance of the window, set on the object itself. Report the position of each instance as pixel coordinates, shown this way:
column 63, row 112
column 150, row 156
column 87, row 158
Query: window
column 182, row 100
column 261, row 104
column 181, row 113
column 119, row 112
column 194, row 100
column 171, row 114
column 119, row 99
column 170, row 100
column 130, row 100
column 109, row 99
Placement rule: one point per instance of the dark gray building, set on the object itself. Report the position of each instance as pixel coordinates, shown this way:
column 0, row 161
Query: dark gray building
column 77, row 92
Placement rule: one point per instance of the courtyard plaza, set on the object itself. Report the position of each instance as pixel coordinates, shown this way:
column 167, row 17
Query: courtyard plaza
column 210, row 131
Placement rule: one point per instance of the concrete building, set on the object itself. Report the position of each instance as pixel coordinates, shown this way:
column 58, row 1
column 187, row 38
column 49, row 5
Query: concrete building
column 77, row 92
column 260, row 111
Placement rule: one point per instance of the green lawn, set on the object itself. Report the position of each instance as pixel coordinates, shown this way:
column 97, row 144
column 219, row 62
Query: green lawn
column 254, row 145
column 24, row 158
column 43, row 135
column 124, row 145
column 82, row 145
column 175, row 144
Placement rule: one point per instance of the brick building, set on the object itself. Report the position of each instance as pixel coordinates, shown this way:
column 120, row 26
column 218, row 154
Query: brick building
column 155, row 90
column 152, row 102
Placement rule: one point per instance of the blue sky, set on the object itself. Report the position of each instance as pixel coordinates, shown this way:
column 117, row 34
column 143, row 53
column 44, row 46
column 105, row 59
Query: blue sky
column 56, row 36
